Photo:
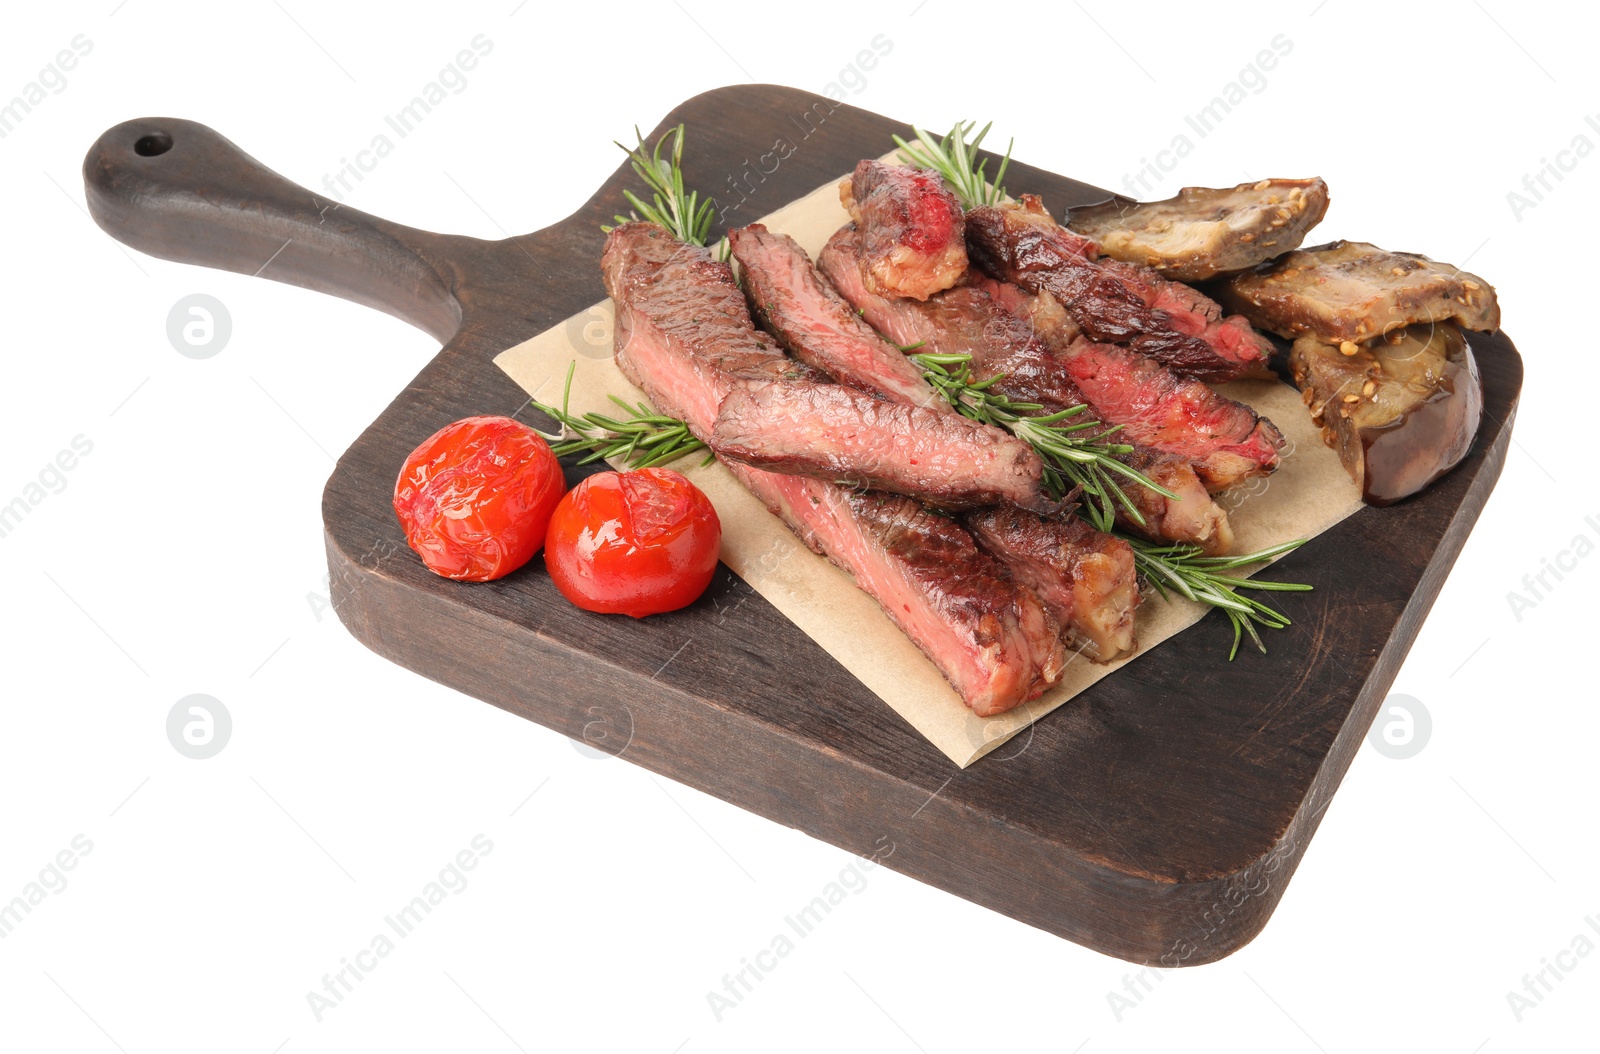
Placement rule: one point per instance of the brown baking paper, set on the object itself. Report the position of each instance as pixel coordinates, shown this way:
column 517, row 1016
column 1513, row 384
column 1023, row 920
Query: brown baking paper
column 1309, row 493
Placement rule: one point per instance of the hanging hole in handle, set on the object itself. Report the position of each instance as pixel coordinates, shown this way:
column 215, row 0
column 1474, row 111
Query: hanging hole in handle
column 153, row 145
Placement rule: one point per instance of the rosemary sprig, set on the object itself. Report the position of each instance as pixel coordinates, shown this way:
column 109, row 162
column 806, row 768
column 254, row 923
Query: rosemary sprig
column 679, row 211
column 1076, row 453
column 1186, row 570
column 645, row 439
column 952, row 157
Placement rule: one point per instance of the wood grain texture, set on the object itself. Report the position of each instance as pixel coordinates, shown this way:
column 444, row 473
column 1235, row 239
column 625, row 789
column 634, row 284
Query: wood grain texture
column 1157, row 817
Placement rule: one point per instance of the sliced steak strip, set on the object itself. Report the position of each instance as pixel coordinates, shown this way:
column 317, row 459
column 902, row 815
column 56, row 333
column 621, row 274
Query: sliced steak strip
column 916, row 242
column 1086, row 579
column 808, row 318
column 837, row 433
column 680, row 337
column 992, row 638
column 1226, row 441
column 1354, row 291
column 1020, row 243
column 1201, row 233
column 682, row 323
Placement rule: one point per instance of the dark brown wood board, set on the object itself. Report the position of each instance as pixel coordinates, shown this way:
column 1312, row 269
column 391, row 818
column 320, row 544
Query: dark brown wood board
column 1156, row 817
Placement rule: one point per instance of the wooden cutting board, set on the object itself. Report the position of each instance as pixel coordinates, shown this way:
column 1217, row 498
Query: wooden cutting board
column 1157, row 817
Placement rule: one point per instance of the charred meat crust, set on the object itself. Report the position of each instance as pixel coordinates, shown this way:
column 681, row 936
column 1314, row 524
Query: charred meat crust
column 1086, row 579
column 1354, row 291
column 1400, row 412
column 916, row 243
column 1191, row 312
column 837, row 433
column 1020, row 243
column 1200, row 232
column 816, row 326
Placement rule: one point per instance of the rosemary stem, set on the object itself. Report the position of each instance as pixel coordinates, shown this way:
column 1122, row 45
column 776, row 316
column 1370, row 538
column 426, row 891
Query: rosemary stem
column 645, row 440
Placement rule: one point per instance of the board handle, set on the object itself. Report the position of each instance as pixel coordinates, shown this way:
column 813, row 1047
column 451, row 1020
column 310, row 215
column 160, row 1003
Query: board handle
column 177, row 190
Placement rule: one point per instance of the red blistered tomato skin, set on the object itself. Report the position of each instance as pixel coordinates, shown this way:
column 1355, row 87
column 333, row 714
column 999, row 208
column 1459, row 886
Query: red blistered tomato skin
column 633, row 543
column 475, row 498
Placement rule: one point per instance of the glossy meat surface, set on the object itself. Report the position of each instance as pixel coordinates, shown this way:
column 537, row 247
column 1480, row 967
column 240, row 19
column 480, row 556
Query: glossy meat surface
column 1020, row 243
column 991, row 637
column 915, row 243
column 814, row 324
column 683, row 333
column 837, row 433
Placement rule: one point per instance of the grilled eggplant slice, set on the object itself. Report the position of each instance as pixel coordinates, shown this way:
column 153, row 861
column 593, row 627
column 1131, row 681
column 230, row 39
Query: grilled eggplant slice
column 1201, row 233
column 1354, row 291
column 1401, row 411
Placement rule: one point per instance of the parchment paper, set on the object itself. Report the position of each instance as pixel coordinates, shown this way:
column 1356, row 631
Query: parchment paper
column 1309, row 493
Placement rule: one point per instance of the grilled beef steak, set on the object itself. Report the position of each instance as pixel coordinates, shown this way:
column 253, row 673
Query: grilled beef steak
column 682, row 323
column 1401, row 411
column 837, row 433
column 963, row 321
column 1086, row 579
column 1194, row 518
column 1020, row 243
column 809, row 319
column 1190, row 311
column 1226, row 441
column 1031, row 342
column 1201, row 233
column 992, row 639
column 684, row 335
column 915, row 243
column 1353, row 291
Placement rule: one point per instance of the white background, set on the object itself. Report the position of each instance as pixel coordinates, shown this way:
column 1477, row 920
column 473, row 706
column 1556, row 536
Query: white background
column 184, row 555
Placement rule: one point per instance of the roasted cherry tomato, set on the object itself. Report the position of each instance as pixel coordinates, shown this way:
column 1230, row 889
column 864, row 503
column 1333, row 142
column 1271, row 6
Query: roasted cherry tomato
column 475, row 498
column 633, row 543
